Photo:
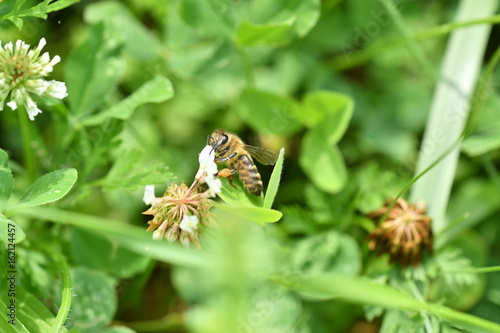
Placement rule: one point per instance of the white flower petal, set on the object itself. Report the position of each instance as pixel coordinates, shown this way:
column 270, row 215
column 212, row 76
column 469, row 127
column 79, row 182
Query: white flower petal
column 32, row 109
column 214, row 184
column 56, row 89
column 149, row 197
column 158, row 234
column 12, row 105
column 38, row 86
column 207, row 164
column 55, row 60
column 189, row 223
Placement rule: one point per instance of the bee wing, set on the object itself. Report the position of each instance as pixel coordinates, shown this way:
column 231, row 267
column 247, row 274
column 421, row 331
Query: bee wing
column 263, row 155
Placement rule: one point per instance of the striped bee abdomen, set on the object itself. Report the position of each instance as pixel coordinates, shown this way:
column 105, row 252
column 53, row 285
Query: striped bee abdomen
column 249, row 175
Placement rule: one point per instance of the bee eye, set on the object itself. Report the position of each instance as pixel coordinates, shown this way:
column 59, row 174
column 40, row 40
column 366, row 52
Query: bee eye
column 223, row 140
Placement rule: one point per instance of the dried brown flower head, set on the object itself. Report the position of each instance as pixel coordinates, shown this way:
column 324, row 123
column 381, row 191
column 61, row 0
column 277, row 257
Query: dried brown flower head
column 178, row 212
column 404, row 234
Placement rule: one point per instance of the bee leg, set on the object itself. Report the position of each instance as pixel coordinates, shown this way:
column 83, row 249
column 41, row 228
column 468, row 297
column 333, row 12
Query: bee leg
column 223, row 159
column 227, row 173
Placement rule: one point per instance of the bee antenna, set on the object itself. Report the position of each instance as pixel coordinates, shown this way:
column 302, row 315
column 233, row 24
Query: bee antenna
column 208, row 139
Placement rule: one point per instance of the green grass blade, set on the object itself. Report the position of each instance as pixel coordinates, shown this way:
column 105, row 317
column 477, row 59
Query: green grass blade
column 274, row 182
column 364, row 291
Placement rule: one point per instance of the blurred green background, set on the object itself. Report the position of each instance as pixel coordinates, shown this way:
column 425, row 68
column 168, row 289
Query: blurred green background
column 333, row 82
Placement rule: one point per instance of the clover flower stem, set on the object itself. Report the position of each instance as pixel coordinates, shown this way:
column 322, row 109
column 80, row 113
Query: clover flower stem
column 28, row 151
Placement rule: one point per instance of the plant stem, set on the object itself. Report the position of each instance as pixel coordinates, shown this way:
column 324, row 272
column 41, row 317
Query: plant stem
column 63, row 312
column 355, row 58
column 28, row 152
column 448, row 112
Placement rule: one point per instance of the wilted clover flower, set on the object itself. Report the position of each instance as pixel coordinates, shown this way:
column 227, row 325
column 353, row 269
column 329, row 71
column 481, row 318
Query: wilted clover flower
column 180, row 210
column 22, row 73
column 404, row 234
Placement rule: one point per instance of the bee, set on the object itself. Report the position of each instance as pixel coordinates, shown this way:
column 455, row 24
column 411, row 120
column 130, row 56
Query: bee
column 229, row 148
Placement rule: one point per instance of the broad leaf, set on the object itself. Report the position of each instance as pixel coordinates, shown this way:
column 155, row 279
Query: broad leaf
column 48, row 188
column 93, row 69
column 252, row 34
column 156, row 90
column 40, row 10
column 322, row 162
column 122, row 22
column 96, row 302
column 130, row 172
column 476, row 145
column 269, row 113
column 329, row 111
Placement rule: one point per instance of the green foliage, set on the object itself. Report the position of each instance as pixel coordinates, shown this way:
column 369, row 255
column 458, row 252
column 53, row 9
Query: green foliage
column 95, row 302
column 48, row 188
column 40, row 10
column 31, row 315
column 329, row 84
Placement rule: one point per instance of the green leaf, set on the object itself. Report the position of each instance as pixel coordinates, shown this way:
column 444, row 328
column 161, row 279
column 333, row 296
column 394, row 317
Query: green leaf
column 328, row 252
column 31, row 315
column 157, row 90
column 207, row 17
column 130, row 173
column 258, row 215
column 269, row 113
column 236, row 194
column 329, row 111
column 48, row 188
column 95, row 303
column 103, row 255
column 9, row 230
column 274, row 181
column 307, row 13
column 322, row 162
column 273, row 34
column 477, row 145
column 122, row 22
column 93, row 69
column 41, row 10
column 6, row 179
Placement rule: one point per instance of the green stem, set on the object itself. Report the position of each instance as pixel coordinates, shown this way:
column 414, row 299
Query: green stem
column 356, row 57
column 28, row 150
column 415, row 49
column 64, row 309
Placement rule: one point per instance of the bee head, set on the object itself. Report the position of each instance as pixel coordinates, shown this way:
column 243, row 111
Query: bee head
column 217, row 139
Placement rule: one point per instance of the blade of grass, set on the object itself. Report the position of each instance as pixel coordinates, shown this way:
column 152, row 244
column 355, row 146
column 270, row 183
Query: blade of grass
column 357, row 57
column 274, row 182
column 131, row 237
column 448, row 113
column 364, row 291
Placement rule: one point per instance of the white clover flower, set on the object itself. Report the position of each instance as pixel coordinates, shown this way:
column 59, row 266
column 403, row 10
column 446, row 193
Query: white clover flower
column 149, row 197
column 208, row 170
column 22, row 73
column 214, row 184
column 189, row 223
